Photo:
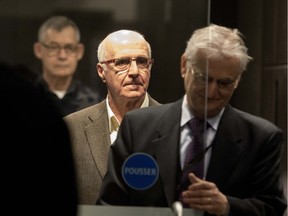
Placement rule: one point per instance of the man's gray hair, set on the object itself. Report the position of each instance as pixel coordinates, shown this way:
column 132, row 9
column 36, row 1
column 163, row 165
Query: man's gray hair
column 57, row 23
column 216, row 42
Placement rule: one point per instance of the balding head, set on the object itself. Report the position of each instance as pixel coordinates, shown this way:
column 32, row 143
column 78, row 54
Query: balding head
column 121, row 39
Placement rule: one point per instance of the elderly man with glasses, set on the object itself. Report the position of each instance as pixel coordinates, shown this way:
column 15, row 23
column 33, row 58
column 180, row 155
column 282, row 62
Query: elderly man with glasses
column 125, row 64
column 59, row 49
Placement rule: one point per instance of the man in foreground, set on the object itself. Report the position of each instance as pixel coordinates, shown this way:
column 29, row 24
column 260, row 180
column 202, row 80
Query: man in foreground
column 240, row 161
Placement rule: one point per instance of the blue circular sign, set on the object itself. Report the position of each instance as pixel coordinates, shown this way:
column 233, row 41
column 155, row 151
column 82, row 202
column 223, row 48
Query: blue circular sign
column 140, row 171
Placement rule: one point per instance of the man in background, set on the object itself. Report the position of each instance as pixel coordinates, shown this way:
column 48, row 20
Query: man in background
column 59, row 49
column 125, row 63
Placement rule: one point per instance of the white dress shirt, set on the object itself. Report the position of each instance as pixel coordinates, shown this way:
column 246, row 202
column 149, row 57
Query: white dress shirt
column 186, row 137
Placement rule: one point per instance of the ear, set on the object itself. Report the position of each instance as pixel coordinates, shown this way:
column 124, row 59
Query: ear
column 100, row 71
column 236, row 83
column 183, row 66
column 37, row 48
column 80, row 51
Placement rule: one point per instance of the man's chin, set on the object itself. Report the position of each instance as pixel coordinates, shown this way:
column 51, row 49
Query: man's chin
column 133, row 87
column 134, row 94
column 213, row 112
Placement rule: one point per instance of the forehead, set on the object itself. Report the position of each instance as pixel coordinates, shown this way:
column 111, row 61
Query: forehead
column 130, row 49
column 225, row 67
column 64, row 36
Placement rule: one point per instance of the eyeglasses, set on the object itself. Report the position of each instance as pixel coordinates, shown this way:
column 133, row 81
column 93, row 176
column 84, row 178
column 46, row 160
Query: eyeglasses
column 54, row 49
column 124, row 63
column 202, row 79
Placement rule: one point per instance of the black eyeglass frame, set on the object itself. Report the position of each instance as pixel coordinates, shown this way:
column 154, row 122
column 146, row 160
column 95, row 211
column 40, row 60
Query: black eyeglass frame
column 54, row 49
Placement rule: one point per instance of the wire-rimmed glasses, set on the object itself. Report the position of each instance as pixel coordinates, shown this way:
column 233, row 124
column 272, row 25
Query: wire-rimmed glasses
column 203, row 79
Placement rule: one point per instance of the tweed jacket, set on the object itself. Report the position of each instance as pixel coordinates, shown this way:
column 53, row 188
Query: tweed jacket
column 90, row 137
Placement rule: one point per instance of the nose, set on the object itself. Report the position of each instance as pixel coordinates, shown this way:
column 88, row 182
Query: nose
column 62, row 52
column 212, row 88
column 133, row 69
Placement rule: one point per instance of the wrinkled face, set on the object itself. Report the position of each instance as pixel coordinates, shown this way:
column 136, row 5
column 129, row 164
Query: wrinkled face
column 209, row 85
column 59, row 53
column 127, row 69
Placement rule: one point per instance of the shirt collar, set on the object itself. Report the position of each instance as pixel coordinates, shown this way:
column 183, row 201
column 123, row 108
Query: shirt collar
column 113, row 121
column 187, row 115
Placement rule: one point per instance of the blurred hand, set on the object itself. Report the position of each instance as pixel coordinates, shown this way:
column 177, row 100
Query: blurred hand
column 204, row 195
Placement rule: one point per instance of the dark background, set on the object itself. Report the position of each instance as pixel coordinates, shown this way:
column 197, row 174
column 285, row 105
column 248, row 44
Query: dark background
column 167, row 25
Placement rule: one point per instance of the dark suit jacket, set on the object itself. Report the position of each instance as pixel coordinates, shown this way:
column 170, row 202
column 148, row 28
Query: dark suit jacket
column 245, row 160
column 89, row 130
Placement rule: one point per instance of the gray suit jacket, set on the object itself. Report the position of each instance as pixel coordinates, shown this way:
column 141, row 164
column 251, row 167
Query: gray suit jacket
column 89, row 131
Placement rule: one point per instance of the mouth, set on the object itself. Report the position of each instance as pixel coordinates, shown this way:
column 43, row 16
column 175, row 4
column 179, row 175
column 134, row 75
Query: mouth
column 62, row 66
column 133, row 84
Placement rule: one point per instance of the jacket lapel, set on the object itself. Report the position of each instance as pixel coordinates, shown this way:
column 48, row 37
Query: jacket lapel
column 99, row 142
column 97, row 134
column 167, row 150
column 226, row 148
